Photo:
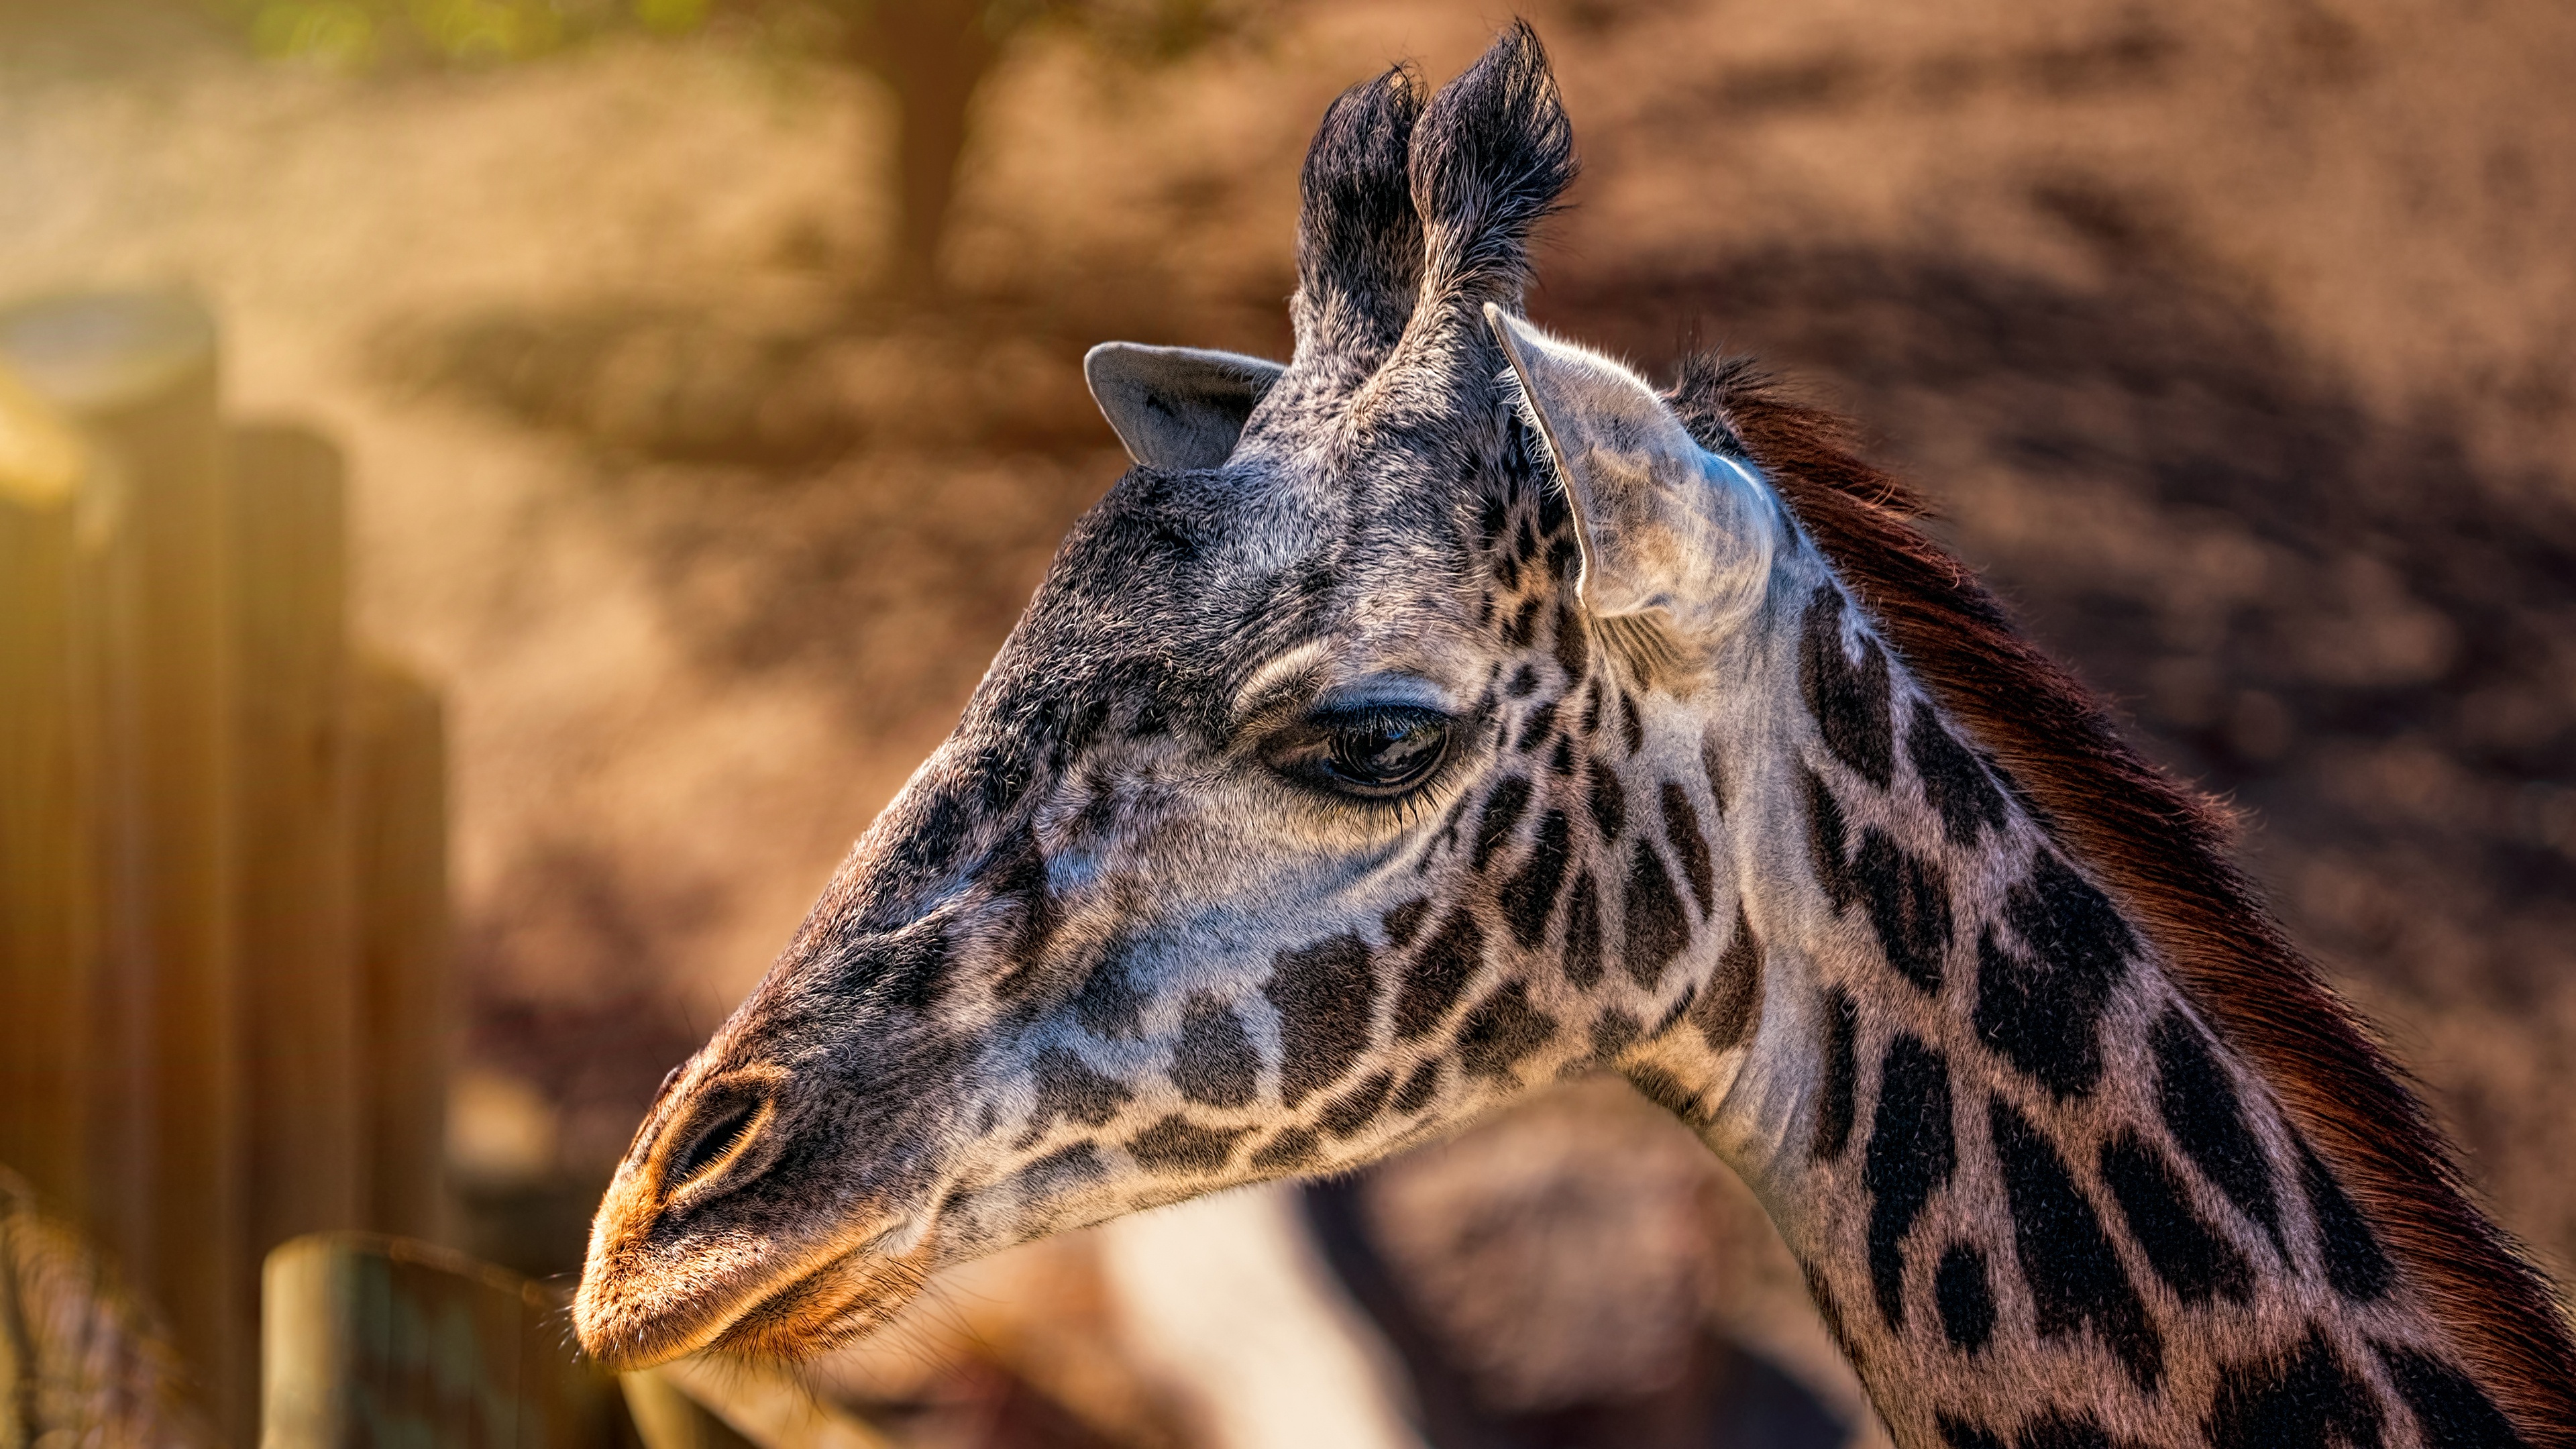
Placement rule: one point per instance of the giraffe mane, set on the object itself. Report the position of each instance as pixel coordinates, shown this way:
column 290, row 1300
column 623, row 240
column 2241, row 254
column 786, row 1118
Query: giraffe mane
column 2165, row 850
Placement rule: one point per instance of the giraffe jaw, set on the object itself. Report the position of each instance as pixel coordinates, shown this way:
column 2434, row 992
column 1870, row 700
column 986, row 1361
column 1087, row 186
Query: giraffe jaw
column 843, row 1301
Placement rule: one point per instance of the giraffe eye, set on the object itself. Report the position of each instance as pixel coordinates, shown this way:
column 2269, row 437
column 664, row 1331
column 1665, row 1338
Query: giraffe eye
column 1371, row 752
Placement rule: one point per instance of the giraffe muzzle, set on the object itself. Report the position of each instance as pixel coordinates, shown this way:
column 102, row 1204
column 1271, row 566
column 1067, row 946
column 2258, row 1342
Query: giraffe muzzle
column 708, row 1239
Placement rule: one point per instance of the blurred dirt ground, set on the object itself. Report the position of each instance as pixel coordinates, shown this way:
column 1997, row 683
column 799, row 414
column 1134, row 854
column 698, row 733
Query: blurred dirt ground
column 2239, row 340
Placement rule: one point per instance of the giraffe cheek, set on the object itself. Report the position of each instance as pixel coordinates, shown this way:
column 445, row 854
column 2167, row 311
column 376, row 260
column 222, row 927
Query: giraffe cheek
column 1214, row 1063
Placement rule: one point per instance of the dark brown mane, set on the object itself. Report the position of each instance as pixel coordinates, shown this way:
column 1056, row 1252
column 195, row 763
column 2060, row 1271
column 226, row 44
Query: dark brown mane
column 2164, row 850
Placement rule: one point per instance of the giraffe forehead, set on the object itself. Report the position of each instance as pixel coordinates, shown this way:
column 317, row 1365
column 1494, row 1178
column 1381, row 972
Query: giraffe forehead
column 1379, row 649
column 1181, row 569
column 1154, row 640
column 1360, row 542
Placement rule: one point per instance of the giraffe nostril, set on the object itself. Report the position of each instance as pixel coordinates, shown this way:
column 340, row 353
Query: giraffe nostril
column 720, row 1125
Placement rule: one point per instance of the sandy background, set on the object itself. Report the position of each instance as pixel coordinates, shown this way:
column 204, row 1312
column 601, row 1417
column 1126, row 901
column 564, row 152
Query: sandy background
column 2238, row 339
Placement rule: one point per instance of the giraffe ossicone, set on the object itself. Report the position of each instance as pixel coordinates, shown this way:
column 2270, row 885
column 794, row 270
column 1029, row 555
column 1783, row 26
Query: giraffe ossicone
column 1446, row 712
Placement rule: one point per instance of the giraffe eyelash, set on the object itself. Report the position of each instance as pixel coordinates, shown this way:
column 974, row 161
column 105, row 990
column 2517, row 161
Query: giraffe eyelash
column 1428, row 803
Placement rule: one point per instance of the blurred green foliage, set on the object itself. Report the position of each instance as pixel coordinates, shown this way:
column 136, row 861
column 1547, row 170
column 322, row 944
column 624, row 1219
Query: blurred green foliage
column 931, row 54
column 361, row 35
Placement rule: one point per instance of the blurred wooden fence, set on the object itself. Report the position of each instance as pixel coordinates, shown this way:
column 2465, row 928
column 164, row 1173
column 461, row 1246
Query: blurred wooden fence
column 382, row 1341
column 222, row 833
column 373, row 1341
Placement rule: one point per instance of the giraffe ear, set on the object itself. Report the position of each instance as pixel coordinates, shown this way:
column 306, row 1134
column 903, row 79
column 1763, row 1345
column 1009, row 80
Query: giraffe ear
column 1664, row 523
column 1176, row 407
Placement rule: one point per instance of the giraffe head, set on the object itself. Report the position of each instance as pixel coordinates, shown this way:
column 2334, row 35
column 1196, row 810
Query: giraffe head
column 1329, row 791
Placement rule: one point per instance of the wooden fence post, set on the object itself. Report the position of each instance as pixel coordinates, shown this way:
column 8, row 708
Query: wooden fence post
column 139, row 370
column 304, row 1103
column 404, row 1007
column 49, row 858
column 376, row 1340
column 703, row 1403
column 667, row 1418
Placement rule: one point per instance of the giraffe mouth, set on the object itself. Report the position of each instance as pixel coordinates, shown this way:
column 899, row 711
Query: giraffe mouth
column 749, row 1300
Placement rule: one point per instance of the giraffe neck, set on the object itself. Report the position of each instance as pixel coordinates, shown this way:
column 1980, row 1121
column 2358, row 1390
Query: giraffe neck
column 2037, row 1199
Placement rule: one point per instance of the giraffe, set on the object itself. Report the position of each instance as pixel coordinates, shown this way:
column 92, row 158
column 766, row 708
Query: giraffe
column 1447, row 712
